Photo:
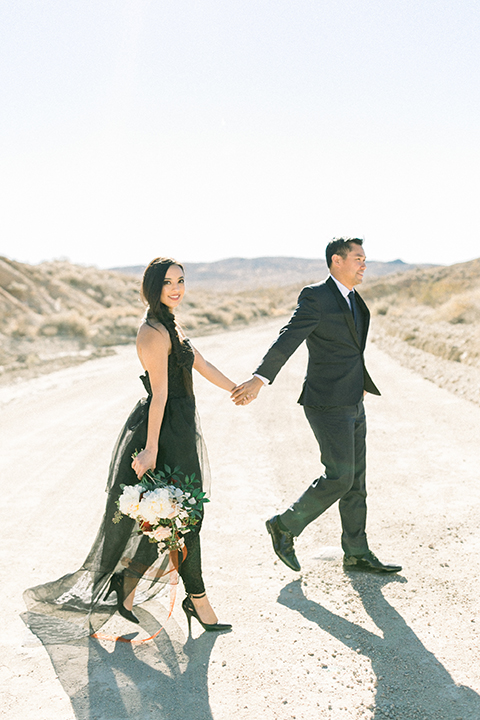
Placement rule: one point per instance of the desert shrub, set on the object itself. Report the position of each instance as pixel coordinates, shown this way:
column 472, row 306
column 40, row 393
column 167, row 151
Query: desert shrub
column 19, row 290
column 27, row 359
column 127, row 325
column 464, row 308
column 97, row 284
column 219, row 317
column 190, row 323
column 111, row 314
column 243, row 316
column 23, row 327
column 70, row 324
column 55, row 289
column 263, row 310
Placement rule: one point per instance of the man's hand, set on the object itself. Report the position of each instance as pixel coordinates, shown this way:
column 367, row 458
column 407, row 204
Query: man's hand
column 247, row 391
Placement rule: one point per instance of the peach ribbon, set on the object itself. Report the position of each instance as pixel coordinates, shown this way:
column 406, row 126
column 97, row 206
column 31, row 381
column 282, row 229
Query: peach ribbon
column 173, row 571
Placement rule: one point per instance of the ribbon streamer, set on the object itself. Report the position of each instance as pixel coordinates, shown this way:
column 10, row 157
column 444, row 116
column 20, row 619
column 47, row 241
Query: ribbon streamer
column 173, row 594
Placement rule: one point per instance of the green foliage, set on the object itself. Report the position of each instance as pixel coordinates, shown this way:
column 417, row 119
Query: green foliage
column 188, row 484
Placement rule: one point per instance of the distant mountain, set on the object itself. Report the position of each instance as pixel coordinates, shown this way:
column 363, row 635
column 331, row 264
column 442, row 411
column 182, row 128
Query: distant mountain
column 244, row 273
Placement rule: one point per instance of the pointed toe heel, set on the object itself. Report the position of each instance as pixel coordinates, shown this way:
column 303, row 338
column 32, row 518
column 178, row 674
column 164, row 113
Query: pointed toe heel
column 116, row 585
column 190, row 611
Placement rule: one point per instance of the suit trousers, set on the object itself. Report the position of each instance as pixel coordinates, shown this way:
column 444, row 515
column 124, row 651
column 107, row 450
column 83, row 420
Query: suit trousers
column 340, row 433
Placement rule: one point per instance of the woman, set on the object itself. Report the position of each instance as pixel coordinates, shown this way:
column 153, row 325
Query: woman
column 164, row 428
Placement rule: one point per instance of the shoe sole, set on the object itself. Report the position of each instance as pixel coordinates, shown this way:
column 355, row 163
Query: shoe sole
column 270, row 532
column 379, row 571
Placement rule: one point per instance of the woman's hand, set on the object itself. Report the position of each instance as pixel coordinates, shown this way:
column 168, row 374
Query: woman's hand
column 143, row 462
column 246, row 392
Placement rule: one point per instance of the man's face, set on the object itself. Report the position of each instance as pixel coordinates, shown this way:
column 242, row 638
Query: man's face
column 349, row 270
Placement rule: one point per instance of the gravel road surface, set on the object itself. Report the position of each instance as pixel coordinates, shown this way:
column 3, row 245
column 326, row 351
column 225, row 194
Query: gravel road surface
column 316, row 644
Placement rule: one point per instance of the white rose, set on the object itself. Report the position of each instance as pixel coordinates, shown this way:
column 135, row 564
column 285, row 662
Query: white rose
column 129, row 501
column 156, row 504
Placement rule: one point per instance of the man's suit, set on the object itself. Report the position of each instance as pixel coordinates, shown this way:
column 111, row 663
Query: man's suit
column 332, row 397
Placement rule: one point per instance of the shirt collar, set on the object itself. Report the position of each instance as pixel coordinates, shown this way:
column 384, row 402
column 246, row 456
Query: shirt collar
column 344, row 290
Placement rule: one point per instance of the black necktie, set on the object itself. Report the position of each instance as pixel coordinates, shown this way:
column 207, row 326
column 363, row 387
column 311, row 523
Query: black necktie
column 353, row 307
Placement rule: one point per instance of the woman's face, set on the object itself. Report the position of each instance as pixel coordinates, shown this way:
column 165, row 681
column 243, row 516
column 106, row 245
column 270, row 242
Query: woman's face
column 173, row 287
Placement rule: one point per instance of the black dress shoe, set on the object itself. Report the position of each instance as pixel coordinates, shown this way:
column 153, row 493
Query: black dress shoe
column 282, row 544
column 368, row 563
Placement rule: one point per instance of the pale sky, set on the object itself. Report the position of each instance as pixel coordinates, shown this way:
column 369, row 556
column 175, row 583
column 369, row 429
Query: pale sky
column 206, row 129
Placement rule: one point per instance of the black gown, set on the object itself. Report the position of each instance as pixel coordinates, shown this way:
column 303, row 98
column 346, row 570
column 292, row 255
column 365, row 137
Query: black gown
column 73, row 606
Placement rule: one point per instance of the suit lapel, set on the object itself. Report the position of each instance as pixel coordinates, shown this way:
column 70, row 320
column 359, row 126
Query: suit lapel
column 343, row 305
column 366, row 316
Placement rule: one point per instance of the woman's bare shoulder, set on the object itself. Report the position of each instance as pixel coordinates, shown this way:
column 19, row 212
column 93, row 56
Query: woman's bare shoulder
column 153, row 334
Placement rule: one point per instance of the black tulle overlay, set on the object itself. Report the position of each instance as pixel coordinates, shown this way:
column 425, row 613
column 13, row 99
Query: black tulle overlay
column 73, row 606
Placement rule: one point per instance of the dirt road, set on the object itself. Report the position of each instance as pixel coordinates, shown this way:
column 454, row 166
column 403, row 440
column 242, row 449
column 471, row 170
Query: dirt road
column 317, row 644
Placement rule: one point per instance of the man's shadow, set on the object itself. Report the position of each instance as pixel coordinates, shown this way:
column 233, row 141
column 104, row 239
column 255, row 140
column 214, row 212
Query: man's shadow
column 409, row 676
column 165, row 679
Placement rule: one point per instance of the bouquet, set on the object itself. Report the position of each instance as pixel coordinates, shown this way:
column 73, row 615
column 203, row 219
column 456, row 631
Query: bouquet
column 164, row 505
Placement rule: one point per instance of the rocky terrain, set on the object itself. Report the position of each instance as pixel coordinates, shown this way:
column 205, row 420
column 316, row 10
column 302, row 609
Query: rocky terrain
column 57, row 314
column 429, row 320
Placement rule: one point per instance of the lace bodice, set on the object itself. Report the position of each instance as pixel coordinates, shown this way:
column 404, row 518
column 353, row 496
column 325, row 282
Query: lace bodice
column 177, row 380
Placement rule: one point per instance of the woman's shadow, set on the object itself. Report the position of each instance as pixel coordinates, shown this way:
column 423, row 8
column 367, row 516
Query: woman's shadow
column 409, row 676
column 165, row 679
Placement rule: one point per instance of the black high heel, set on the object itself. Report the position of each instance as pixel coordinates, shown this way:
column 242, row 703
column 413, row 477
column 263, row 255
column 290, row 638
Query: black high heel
column 116, row 585
column 190, row 611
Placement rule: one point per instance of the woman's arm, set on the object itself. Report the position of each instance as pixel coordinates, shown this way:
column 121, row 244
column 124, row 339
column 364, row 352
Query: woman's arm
column 153, row 346
column 211, row 373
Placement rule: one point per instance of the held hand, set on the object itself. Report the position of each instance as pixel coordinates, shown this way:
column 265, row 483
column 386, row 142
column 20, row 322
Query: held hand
column 143, row 462
column 240, row 396
column 246, row 392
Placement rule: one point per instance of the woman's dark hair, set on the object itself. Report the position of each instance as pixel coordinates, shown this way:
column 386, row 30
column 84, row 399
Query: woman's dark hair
column 152, row 286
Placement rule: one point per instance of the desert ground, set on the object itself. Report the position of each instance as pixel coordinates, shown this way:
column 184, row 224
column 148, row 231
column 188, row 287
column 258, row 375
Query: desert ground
column 315, row 644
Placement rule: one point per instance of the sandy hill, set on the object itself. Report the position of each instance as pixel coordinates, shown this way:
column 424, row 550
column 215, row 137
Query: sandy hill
column 448, row 295
column 57, row 313
column 36, row 299
column 429, row 319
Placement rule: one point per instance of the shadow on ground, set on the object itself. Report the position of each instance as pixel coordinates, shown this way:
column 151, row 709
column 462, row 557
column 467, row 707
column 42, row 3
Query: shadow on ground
column 165, row 679
column 412, row 683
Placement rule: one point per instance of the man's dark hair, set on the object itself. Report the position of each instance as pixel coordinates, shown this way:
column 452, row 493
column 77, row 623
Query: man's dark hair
column 340, row 246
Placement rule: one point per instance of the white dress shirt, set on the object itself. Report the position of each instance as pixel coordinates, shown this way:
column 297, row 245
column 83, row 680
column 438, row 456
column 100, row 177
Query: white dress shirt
column 344, row 290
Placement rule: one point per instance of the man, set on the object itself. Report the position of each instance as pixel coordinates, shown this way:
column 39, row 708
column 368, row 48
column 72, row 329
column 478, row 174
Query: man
column 333, row 319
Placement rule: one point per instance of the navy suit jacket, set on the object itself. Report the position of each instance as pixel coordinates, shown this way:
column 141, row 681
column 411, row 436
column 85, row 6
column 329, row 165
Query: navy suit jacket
column 336, row 372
